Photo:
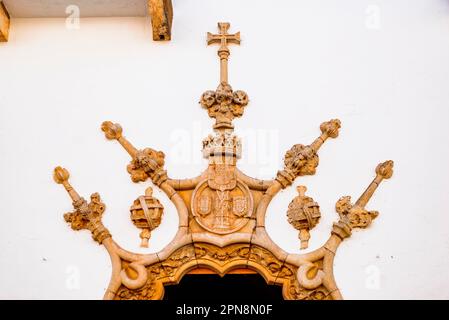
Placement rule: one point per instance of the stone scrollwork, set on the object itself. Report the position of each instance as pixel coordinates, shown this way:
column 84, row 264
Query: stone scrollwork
column 221, row 255
column 139, row 276
column 179, row 258
column 310, row 276
column 145, row 293
column 299, row 293
column 295, row 281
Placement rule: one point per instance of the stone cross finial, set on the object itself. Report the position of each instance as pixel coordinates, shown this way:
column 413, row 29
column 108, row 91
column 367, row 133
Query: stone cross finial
column 223, row 38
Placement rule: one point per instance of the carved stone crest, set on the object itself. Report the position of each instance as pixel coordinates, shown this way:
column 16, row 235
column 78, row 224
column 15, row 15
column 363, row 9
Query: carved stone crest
column 240, row 206
column 222, row 177
column 222, row 211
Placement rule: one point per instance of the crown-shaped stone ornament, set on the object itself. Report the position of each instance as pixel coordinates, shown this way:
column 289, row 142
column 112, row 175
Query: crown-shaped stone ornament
column 222, row 144
column 224, row 105
column 221, row 212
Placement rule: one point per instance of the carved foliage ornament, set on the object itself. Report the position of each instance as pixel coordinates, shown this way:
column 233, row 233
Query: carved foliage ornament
column 222, row 211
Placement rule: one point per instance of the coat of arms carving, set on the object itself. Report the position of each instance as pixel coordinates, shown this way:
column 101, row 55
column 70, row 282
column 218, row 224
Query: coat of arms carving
column 222, row 211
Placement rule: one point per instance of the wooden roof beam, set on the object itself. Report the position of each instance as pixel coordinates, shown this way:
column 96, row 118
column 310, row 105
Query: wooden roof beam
column 161, row 12
column 4, row 23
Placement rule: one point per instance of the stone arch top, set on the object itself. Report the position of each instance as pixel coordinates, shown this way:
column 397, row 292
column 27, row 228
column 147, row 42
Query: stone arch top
column 222, row 211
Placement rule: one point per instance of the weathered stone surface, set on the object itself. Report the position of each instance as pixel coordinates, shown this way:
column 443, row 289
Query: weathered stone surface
column 4, row 23
column 161, row 12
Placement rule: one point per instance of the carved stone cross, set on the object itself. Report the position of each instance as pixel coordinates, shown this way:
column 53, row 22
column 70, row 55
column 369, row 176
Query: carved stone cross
column 223, row 38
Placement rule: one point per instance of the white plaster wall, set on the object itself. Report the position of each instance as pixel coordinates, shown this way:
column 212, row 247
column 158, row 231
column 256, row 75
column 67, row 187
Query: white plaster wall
column 380, row 66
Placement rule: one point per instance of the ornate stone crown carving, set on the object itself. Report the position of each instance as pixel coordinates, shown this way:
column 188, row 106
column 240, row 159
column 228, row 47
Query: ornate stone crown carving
column 224, row 105
column 222, row 211
column 222, row 144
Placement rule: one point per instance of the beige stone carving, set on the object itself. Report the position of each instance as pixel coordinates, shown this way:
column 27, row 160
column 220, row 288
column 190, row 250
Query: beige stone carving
column 86, row 215
column 221, row 144
column 4, row 23
column 224, row 104
column 146, row 214
column 303, row 160
column 222, row 211
column 303, row 214
column 224, row 208
column 356, row 215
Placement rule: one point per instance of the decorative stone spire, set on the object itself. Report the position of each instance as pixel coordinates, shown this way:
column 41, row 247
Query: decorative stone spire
column 86, row 215
column 224, row 104
column 223, row 38
column 356, row 216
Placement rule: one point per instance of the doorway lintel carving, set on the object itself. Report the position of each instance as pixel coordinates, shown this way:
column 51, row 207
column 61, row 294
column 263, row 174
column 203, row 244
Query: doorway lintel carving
column 222, row 211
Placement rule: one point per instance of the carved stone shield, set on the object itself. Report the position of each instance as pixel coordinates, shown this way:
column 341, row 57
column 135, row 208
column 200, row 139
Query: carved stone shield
column 239, row 206
column 204, row 205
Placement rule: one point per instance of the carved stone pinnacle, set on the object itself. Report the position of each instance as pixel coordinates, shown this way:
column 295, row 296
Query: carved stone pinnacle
column 224, row 104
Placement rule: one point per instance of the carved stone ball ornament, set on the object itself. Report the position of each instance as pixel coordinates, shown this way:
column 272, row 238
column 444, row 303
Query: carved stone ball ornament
column 303, row 214
column 222, row 211
column 146, row 214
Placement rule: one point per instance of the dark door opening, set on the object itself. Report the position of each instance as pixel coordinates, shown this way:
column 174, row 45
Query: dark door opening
column 213, row 288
